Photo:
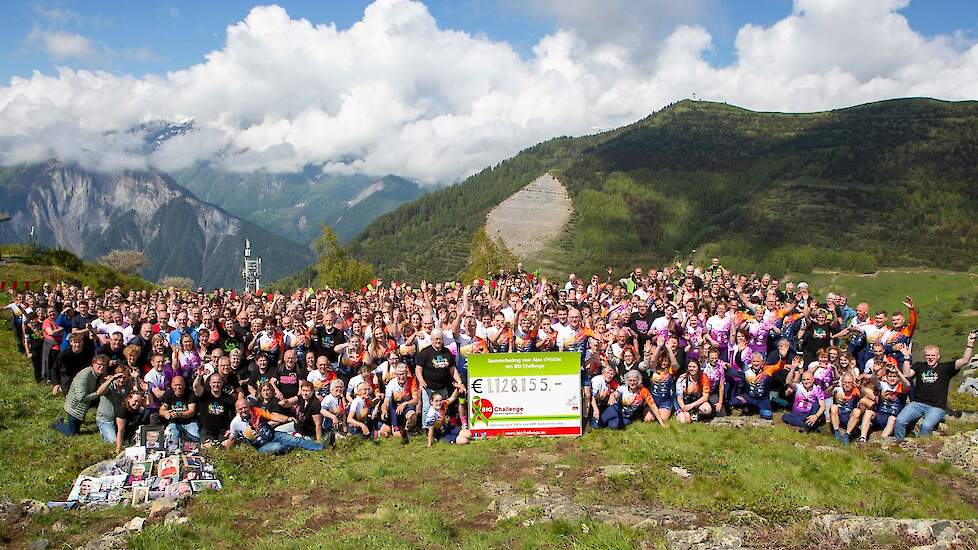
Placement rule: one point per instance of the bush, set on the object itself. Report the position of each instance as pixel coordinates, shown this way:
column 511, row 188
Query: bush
column 184, row 283
column 128, row 262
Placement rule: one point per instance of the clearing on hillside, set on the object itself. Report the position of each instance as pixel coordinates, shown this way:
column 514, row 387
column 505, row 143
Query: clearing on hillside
column 531, row 217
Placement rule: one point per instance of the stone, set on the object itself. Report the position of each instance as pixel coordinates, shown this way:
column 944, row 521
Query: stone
column 30, row 507
column 171, row 517
column 681, row 472
column 849, row 528
column 39, row 544
column 162, row 506
column 705, row 538
column 135, row 524
column 613, row 470
column 59, row 526
column 640, row 517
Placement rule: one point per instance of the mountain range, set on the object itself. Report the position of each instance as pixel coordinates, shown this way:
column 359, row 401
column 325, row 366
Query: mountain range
column 886, row 183
column 294, row 205
column 90, row 213
column 191, row 222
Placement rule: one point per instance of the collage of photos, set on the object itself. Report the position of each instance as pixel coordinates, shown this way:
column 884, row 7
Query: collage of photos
column 143, row 473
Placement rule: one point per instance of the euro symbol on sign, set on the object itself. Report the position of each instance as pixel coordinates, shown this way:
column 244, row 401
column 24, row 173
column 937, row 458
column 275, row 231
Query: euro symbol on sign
column 477, row 385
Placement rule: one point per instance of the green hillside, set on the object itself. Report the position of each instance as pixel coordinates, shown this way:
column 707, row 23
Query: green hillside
column 882, row 184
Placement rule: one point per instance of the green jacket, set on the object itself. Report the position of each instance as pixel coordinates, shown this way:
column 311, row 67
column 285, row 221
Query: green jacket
column 81, row 395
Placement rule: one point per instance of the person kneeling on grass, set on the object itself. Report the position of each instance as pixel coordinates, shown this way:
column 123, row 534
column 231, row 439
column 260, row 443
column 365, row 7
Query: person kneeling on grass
column 630, row 403
column 81, row 396
column 808, row 409
column 844, row 412
column 401, row 398
column 602, row 386
column 757, row 394
column 439, row 426
column 693, row 394
column 251, row 425
column 891, row 394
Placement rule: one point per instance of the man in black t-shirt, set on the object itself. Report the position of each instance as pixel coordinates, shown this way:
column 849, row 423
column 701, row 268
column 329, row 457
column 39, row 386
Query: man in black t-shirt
column 436, row 371
column 641, row 323
column 931, row 379
column 216, row 408
column 326, row 337
column 178, row 407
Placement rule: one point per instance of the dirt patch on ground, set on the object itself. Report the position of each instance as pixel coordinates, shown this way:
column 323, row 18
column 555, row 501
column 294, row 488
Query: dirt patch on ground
column 531, row 217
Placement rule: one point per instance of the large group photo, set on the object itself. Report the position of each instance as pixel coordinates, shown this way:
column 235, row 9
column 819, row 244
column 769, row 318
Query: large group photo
column 619, row 274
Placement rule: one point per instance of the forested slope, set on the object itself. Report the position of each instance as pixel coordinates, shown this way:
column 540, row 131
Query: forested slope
column 888, row 183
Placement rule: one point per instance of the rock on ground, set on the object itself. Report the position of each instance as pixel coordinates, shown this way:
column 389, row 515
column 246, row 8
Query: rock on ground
column 548, row 503
column 705, row 538
column 849, row 528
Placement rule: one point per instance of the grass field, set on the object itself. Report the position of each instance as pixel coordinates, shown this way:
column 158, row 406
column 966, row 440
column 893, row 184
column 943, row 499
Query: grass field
column 388, row 495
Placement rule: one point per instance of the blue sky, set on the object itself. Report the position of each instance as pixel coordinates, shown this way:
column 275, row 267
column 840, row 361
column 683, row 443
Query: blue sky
column 154, row 37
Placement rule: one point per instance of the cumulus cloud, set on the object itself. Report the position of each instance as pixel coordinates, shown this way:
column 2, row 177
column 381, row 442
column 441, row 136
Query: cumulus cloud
column 395, row 93
column 63, row 45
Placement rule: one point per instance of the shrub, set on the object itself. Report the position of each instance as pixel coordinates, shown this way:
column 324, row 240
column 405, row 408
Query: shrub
column 128, row 262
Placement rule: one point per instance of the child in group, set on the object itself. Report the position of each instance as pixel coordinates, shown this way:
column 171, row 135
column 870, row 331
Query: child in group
column 438, row 425
column 807, row 411
column 891, row 395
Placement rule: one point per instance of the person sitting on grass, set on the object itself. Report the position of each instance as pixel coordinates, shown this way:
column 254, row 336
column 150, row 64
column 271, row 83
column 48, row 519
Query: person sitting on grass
column 931, row 380
column 252, row 425
column 631, row 402
column 438, row 424
column 693, row 394
column 602, row 386
column 662, row 387
column 306, row 409
column 757, row 394
column 178, row 408
column 399, row 411
column 807, row 411
column 360, row 418
column 333, row 411
column 891, row 394
column 844, row 411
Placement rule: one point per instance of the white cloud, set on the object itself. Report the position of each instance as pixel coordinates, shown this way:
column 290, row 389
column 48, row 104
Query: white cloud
column 63, row 45
column 396, row 93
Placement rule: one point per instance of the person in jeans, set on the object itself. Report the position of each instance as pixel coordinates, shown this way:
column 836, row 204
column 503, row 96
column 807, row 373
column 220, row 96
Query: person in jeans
column 81, row 396
column 931, row 379
column 251, row 425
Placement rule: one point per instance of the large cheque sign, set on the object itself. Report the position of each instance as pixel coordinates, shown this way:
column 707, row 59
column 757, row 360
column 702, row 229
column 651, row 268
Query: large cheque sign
column 525, row 394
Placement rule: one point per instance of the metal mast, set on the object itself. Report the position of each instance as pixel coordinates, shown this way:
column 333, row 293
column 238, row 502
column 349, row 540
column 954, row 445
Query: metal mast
column 252, row 270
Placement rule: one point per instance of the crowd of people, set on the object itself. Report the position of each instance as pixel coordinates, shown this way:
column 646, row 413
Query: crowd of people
column 285, row 371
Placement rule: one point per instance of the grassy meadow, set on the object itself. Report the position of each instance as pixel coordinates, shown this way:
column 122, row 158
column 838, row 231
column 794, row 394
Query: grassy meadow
column 387, row 495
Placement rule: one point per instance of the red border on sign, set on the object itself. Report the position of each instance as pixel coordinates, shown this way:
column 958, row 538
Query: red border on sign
column 491, row 432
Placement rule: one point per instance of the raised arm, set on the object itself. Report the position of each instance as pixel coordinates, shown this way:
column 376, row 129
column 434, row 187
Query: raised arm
column 968, row 351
